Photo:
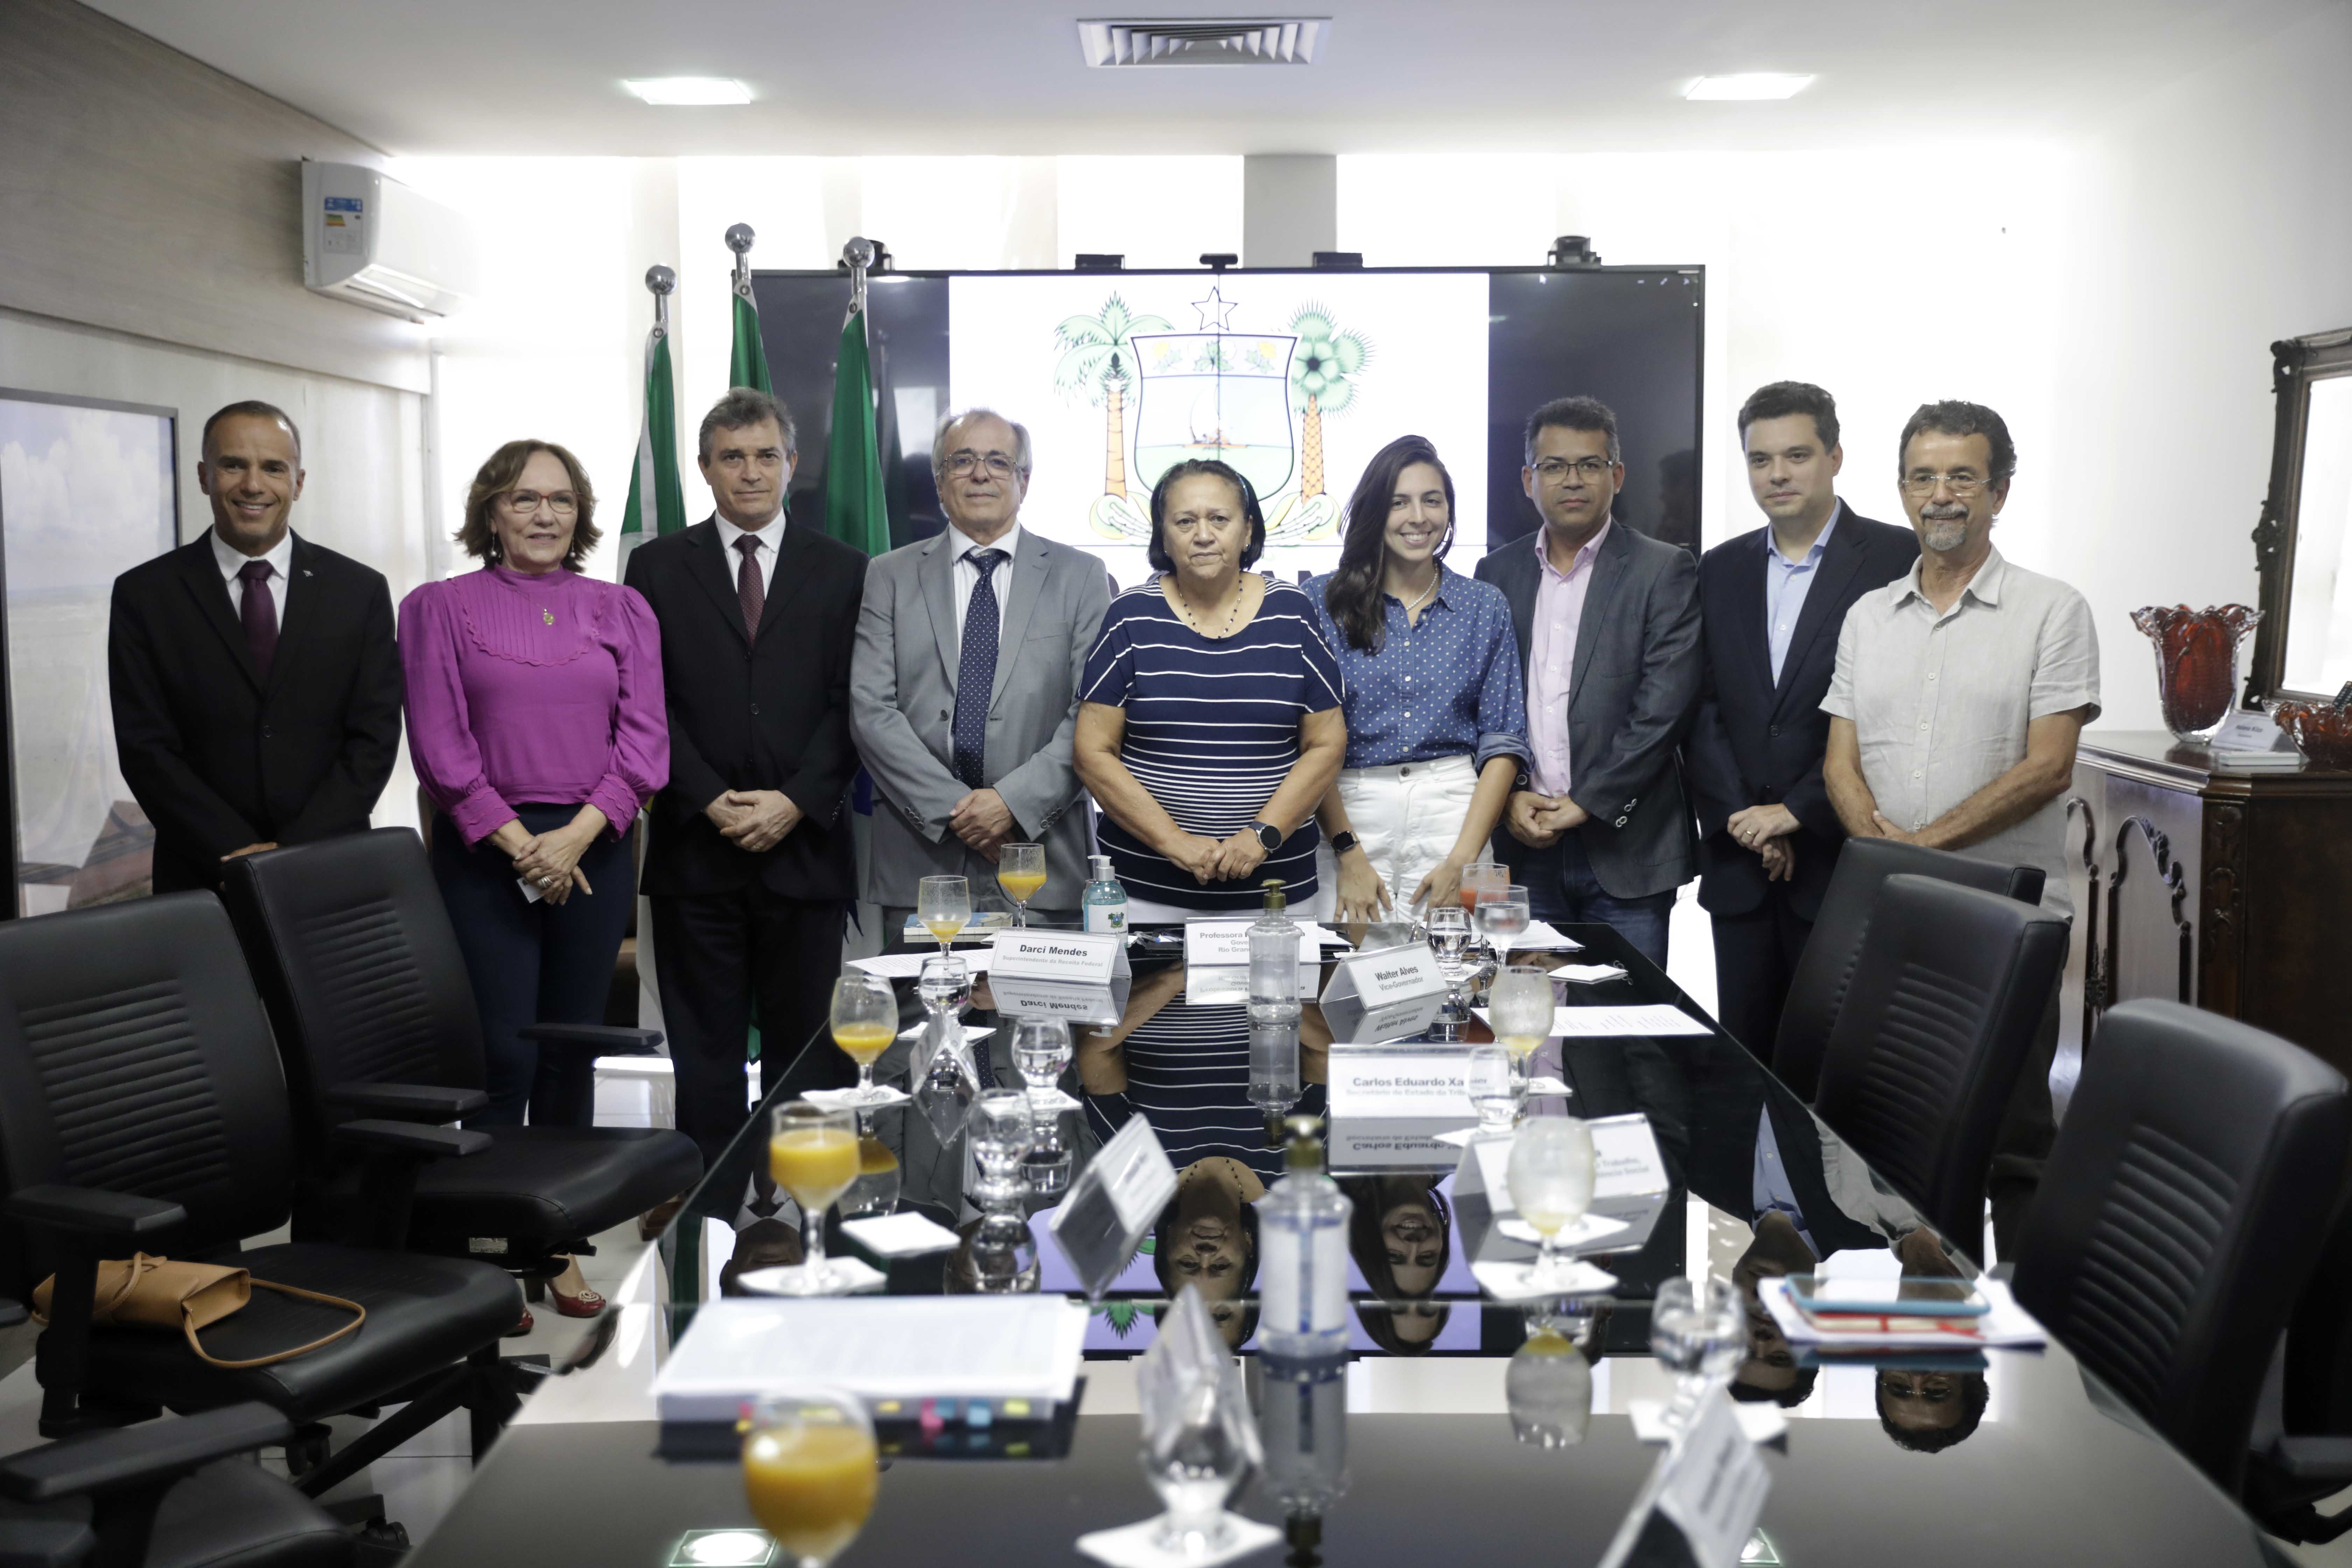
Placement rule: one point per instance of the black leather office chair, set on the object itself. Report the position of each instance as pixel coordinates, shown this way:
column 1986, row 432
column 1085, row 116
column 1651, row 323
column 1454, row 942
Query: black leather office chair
column 1818, row 988
column 2184, row 1204
column 168, row 1494
column 365, row 983
column 1943, row 1004
column 143, row 1109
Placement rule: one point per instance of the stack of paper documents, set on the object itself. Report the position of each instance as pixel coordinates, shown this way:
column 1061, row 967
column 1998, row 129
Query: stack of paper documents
column 2007, row 1326
column 1022, row 1348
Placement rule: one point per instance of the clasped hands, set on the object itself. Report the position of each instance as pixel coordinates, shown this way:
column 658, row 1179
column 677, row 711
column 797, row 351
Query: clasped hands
column 1537, row 820
column 549, row 862
column 1765, row 829
column 754, row 820
column 1217, row 860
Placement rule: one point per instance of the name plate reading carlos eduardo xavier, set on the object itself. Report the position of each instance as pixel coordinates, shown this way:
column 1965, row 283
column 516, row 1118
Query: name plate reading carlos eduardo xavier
column 1090, row 957
column 1392, row 1083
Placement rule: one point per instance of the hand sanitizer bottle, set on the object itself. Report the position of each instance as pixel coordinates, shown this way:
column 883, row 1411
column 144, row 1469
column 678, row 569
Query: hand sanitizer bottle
column 1303, row 1233
column 1104, row 901
column 1274, row 1012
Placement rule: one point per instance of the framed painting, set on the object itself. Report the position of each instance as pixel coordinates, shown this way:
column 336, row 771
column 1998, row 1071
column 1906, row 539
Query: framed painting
column 87, row 490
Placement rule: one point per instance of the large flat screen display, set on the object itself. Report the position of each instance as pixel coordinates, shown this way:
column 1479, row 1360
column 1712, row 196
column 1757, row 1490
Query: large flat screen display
column 1296, row 378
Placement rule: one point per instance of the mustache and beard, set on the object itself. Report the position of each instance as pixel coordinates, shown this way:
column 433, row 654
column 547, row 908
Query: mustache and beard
column 1944, row 528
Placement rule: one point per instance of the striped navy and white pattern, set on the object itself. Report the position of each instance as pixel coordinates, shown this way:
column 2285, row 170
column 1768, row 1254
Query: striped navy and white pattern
column 1211, row 729
column 1188, row 1075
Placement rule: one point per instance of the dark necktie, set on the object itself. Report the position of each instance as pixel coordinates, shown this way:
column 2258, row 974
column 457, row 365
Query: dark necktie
column 259, row 614
column 976, row 671
column 749, row 592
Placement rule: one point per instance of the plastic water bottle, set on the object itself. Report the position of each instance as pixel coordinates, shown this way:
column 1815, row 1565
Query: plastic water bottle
column 1104, row 903
column 1303, row 1238
column 1274, row 1085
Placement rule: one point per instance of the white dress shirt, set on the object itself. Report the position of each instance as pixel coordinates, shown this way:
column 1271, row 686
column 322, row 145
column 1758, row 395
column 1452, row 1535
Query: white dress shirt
column 232, row 560
column 967, row 576
column 765, row 554
column 1940, row 700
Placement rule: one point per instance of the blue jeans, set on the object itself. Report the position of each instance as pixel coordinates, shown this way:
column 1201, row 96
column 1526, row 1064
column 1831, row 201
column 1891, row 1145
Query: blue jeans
column 1561, row 888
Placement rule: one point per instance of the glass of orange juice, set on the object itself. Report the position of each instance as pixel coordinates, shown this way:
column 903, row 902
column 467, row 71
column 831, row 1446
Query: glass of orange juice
column 1020, row 871
column 865, row 1022
column 810, row 1472
column 812, row 1155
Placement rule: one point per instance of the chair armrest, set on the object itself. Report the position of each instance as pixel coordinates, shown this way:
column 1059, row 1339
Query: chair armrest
column 94, row 1211
column 147, row 1454
column 610, row 1039
column 413, row 1137
column 408, row 1102
column 2313, row 1459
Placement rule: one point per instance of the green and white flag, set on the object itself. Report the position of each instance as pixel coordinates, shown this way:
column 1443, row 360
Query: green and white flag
column 749, row 365
column 855, row 510
column 657, row 505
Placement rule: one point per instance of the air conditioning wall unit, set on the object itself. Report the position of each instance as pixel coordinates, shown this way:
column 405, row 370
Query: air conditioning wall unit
column 375, row 242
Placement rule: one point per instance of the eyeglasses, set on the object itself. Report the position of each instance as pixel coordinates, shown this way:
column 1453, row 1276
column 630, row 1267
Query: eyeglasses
column 562, row 503
column 1555, row 469
column 1962, row 484
column 963, row 463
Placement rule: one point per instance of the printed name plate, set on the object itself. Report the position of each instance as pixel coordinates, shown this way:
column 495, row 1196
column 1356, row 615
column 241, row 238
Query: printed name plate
column 1080, row 957
column 1224, row 943
column 1072, row 1002
column 1402, row 1084
column 1388, row 994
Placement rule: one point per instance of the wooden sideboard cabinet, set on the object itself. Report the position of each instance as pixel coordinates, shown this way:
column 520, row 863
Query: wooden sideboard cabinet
column 2231, row 890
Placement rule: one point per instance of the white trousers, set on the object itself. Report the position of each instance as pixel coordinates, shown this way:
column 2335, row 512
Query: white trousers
column 1407, row 817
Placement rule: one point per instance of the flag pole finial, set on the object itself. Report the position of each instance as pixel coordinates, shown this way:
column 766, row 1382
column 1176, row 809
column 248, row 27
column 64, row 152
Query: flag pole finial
column 661, row 282
column 739, row 240
column 858, row 256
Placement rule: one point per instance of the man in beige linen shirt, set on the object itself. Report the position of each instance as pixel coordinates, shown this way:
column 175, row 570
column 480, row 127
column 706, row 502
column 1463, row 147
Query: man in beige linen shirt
column 1960, row 692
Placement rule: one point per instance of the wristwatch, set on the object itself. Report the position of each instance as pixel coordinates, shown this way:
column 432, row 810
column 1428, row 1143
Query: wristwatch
column 1268, row 835
column 1342, row 842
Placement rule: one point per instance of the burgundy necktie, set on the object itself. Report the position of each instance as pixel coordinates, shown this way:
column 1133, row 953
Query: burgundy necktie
column 749, row 592
column 259, row 614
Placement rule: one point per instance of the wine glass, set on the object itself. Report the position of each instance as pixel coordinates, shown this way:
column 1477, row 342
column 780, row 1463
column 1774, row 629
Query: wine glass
column 1699, row 1330
column 1002, row 1127
column 1478, row 876
column 1449, row 938
column 810, row 1472
column 1519, row 1008
column 1502, row 914
column 875, row 1191
column 812, row 1155
column 1041, row 1049
column 865, row 1022
column 1550, row 1178
column 1494, row 1090
column 944, row 906
column 945, row 984
column 1020, row 871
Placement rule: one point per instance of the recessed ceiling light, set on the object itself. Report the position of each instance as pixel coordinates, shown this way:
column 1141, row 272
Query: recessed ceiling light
column 1746, row 88
column 690, row 89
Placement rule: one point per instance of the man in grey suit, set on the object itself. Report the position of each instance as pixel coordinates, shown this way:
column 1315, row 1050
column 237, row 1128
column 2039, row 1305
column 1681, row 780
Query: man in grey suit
column 964, row 687
column 1599, row 828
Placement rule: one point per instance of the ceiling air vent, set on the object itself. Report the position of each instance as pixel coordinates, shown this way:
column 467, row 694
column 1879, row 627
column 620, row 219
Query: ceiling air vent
column 1248, row 41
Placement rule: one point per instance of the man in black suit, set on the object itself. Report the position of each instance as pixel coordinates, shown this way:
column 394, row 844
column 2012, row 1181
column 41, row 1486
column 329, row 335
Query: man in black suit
column 256, row 691
column 1608, row 627
column 750, row 866
column 1773, row 601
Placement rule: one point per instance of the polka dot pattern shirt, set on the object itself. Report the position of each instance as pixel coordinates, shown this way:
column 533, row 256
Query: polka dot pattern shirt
column 1447, row 687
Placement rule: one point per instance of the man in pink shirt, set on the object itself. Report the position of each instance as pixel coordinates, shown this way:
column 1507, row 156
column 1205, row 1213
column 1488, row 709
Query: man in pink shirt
column 1599, row 829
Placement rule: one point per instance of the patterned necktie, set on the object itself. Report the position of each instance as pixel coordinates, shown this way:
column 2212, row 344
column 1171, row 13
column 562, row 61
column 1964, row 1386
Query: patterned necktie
column 259, row 614
column 749, row 592
column 976, row 671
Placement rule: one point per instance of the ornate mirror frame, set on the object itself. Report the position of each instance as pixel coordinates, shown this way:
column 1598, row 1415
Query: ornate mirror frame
column 2295, row 364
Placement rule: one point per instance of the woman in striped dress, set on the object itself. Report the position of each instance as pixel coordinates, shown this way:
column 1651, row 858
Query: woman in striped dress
column 1208, row 713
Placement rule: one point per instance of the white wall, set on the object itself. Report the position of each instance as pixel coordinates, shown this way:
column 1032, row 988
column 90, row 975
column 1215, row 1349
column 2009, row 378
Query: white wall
column 2208, row 223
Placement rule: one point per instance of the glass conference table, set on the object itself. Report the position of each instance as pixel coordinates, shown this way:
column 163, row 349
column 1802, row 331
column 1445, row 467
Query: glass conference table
column 2015, row 1457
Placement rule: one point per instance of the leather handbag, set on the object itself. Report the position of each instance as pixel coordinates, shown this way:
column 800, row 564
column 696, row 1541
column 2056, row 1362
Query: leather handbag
column 162, row 1293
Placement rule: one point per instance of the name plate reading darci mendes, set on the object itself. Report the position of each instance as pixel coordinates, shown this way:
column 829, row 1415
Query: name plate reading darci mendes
column 1087, row 958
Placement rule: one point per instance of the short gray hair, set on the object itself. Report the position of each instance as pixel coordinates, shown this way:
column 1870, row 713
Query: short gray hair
column 743, row 407
column 940, row 440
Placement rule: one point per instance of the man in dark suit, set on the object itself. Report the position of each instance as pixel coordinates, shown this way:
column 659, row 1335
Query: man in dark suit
column 1773, row 601
column 1608, row 627
column 256, row 691
column 750, row 867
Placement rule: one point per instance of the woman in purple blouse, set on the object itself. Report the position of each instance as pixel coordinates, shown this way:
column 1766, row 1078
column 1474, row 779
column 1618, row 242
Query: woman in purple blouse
column 537, row 725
